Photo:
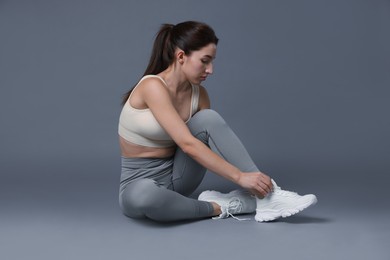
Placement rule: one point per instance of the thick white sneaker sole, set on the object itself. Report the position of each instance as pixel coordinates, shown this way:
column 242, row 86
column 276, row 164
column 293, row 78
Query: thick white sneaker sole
column 264, row 214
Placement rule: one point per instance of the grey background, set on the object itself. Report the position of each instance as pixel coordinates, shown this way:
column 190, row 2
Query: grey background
column 305, row 84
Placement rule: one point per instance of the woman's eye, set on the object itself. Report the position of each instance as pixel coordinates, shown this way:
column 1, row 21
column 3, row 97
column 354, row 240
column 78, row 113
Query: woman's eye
column 205, row 61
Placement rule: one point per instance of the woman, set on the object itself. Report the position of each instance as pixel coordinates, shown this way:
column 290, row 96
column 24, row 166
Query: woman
column 169, row 137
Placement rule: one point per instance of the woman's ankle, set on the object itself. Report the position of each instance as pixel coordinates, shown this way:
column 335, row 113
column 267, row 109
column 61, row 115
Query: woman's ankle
column 217, row 209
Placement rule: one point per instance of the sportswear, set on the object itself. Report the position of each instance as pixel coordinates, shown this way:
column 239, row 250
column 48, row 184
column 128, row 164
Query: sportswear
column 139, row 126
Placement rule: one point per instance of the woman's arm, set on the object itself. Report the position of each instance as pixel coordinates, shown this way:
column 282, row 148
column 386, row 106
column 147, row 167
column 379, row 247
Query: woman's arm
column 257, row 182
column 157, row 98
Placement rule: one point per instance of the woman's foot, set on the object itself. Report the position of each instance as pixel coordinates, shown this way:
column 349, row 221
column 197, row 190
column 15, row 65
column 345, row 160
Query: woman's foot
column 281, row 203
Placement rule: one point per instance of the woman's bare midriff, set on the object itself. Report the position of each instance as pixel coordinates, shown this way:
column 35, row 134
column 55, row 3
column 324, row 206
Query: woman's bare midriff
column 130, row 150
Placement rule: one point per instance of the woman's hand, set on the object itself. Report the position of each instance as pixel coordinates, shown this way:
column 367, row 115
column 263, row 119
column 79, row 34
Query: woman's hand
column 256, row 182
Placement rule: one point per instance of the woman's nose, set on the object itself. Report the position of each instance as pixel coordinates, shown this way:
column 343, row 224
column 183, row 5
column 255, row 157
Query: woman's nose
column 209, row 69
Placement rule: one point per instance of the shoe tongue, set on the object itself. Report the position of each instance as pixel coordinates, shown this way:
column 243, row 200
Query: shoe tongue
column 275, row 185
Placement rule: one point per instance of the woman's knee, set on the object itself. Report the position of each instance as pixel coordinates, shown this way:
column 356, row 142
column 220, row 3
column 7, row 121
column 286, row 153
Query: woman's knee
column 138, row 197
column 209, row 117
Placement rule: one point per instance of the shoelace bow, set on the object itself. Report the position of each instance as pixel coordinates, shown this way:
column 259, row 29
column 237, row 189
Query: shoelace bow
column 234, row 205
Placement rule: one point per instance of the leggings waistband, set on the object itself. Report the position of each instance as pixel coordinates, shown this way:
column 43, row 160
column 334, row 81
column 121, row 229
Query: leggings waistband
column 158, row 169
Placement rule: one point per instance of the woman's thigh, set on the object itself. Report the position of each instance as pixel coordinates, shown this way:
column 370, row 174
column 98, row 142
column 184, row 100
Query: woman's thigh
column 145, row 198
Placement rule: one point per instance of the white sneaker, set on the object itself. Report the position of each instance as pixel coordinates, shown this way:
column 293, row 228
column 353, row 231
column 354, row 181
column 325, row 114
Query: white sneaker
column 281, row 203
column 234, row 202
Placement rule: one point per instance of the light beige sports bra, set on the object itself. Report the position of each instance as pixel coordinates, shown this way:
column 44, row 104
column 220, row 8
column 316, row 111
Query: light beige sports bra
column 139, row 126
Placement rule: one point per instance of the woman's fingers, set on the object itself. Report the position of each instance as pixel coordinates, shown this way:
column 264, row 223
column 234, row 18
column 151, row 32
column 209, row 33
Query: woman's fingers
column 263, row 189
column 265, row 183
column 257, row 182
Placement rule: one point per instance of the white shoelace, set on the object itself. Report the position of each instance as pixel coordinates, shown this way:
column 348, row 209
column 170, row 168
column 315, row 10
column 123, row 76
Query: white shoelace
column 234, row 205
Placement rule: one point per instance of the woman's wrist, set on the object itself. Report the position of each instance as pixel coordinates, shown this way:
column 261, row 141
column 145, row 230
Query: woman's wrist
column 238, row 177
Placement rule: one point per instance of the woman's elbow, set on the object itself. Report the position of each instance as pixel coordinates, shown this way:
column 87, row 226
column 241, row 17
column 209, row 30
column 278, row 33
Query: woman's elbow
column 189, row 147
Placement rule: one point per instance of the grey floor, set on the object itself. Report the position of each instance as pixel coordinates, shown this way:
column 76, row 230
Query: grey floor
column 68, row 210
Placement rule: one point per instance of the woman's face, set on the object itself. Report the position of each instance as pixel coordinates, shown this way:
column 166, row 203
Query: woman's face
column 199, row 64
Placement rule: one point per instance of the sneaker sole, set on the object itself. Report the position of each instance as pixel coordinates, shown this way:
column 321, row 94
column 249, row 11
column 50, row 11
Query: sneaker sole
column 270, row 215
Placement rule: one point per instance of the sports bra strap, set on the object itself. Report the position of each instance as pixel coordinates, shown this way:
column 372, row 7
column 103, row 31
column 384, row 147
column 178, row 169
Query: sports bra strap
column 194, row 99
column 194, row 96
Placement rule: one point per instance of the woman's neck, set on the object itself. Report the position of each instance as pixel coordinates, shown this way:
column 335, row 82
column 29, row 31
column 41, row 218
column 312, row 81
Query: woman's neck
column 176, row 81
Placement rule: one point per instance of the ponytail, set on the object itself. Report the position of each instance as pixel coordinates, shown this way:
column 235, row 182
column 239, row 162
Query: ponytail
column 163, row 51
column 162, row 55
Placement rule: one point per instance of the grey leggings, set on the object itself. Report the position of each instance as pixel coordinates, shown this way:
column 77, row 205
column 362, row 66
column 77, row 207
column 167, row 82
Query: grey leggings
column 157, row 188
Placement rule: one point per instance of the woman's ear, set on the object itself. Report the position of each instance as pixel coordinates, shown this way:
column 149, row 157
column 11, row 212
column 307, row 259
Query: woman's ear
column 180, row 56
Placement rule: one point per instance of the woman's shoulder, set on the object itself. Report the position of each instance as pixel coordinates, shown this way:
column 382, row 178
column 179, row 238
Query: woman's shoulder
column 152, row 80
column 204, row 100
column 151, row 83
column 202, row 89
column 152, row 86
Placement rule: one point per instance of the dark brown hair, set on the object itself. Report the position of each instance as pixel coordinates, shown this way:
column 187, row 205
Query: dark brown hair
column 188, row 36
